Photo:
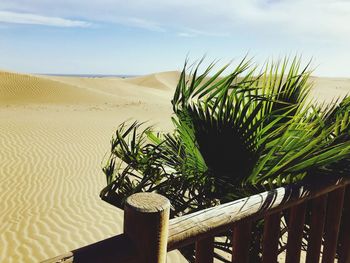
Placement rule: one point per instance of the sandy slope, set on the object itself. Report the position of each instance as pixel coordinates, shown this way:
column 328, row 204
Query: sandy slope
column 330, row 89
column 54, row 132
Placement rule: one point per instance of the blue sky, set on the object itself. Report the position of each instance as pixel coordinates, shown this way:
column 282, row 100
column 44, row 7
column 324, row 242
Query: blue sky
column 140, row 37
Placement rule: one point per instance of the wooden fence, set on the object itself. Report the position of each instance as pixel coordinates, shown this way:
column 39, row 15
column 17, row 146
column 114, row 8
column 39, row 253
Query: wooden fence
column 149, row 234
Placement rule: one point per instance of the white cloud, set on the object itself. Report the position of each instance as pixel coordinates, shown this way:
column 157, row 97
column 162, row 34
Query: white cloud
column 186, row 34
column 320, row 18
column 140, row 23
column 318, row 28
column 33, row 19
column 300, row 18
column 189, row 32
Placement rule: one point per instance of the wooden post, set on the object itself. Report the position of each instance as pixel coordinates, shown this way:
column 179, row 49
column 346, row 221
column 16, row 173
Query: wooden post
column 295, row 232
column 205, row 250
column 271, row 237
column 318, row 216
column 345, row 231
column 146, row 223
column 241, row 242
column 334, row 211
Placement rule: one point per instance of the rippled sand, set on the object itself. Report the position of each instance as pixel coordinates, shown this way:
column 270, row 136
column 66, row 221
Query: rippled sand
column 54, row 133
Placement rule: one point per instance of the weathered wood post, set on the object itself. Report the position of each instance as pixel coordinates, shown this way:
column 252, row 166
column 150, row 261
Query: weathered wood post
column 146, row 223
column 205, row 250
column 242, row 234
column 271, row 237
column 345, row 235
column 331, row 229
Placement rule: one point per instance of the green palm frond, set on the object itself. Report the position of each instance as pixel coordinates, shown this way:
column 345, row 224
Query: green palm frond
column 144, row 161
column 239, row 120
column 235, row 134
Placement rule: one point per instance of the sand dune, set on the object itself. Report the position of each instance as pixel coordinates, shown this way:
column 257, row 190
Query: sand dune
column 25, row 89
column 164, row 80
column 118, row 86
column 330, row 89
column 54, row 132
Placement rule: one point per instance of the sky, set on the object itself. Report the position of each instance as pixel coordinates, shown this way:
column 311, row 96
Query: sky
column 140, row 37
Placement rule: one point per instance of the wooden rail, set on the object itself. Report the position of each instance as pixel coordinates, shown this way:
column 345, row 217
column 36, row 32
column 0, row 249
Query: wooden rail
column 149, row 234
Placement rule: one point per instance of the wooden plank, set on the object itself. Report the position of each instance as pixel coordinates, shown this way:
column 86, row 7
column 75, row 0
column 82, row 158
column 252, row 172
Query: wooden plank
column 317, row 221
column 345, row 231
column 64, row 258
column 271, row 237
column 108, row 250
column 146, row 221
column 241, row 239
column 334, row 211
column 205, row 250
column 209, row 222
column 295, row 232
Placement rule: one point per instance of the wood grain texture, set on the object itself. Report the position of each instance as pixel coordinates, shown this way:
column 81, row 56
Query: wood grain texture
column 107, row 251
column 146, row 226
column 241, row 239
column 295, row 232
column 345, row 230
column 205, row 250
column 209, row 222
column 317, row 221
column 146, row 222
column 334, row 211
column 271, row 237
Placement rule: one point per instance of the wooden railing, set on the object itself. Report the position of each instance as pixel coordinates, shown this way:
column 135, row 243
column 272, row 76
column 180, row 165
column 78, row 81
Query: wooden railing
column 149, row 234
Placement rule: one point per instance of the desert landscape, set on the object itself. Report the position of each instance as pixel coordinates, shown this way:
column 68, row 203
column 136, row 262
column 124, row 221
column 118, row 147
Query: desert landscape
column 54, row 134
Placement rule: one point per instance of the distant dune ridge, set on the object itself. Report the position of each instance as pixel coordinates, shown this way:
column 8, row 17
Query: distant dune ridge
column 54, row 133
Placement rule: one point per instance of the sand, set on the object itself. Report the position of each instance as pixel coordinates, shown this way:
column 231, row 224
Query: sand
column 54, row 133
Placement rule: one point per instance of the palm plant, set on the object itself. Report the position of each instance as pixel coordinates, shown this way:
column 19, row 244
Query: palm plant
column 234, row 135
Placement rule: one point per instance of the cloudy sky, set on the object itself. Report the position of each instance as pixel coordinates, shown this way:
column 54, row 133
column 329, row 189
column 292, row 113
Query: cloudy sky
column 140, row 37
